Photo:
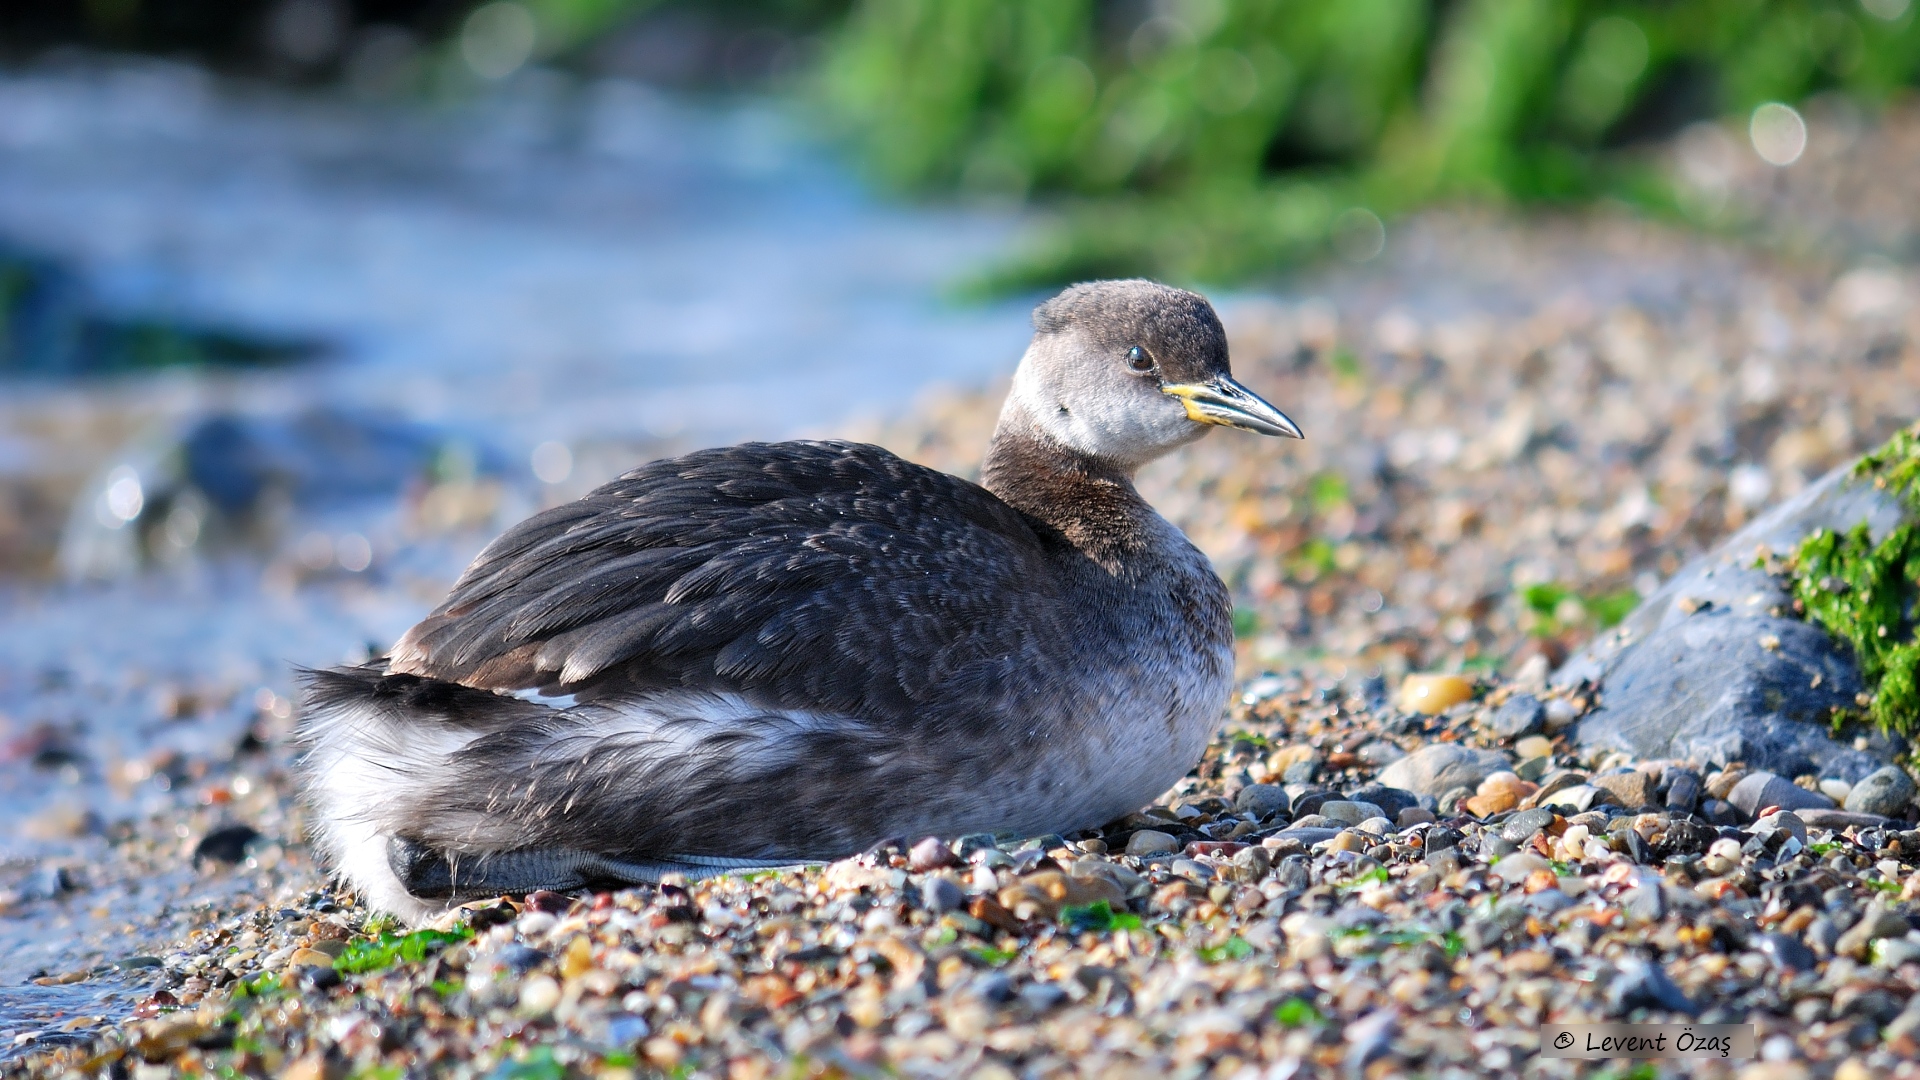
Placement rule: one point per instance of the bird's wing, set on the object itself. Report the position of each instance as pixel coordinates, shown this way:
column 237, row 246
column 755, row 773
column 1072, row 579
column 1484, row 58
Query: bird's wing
column 820, row 575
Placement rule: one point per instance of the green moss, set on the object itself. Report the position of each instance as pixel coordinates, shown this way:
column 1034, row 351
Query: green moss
column 1234, row 948
column 364, row 956
column 1098, row 917
column 1864, row 592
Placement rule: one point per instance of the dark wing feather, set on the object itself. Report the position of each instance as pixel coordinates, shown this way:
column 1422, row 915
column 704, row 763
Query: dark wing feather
column 803, row 575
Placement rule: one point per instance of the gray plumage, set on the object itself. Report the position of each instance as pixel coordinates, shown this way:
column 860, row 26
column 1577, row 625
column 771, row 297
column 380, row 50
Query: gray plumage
column 791, row 651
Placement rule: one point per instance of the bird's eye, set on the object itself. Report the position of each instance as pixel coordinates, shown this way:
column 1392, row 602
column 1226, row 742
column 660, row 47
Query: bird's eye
column 1138, row 360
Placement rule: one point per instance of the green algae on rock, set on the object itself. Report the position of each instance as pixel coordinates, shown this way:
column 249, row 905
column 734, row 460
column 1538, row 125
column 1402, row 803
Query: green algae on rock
column 1864, row 592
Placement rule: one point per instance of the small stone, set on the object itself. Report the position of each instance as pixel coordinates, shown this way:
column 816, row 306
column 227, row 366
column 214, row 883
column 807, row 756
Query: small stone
column 1287, row 758
column 1759, row 790
column 1533, row 746
column 931, row 854
column 1190, row 869
column 1502, row 782
column 1302, row 835
column 1379, row 753
column 1390, row 800
column 1522, row 714
column 1439, row 767
column 1632, row 789
column 1837, row 820
column 1892, row 952
column 1350, row 841
column 1485, row 806
column 1522, row 826
column 1835, row 789
column 973, row 845
column 538, row 995
column 1515, row 868
column 312, row 958
column 227, row 844
column 1041, row 997
column 1429, row 694
column 1642, row 983
column 624, row 1030
column 1350, row 813
column 1877, row 923
column 1784, row 953
column 1886, row 792
column 519, row 958
column 1722, row 812
column 1683, row 790
column 1151, row 842
column 1414, row 815
column 46, row 883
column 1577, row 796
column 940, row 894
column 1316, row 821
column 1560, row 713
column 1822, row 936
column 1261, row 800
column 1721, row 784
column 1781, row 821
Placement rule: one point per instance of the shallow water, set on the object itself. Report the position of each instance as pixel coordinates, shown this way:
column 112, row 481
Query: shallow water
column 593, row 264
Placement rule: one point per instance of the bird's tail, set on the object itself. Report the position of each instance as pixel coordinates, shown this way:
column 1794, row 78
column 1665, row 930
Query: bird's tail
column 425, row 793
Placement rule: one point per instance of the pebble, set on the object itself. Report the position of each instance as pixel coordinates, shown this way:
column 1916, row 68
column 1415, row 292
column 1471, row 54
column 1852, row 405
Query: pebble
column 1521, row 714
column 226, row 845
column 46, row 883
column 1785, row 953
column 538, row 995
column 1781, row 821
column 931, row 853
column 1758, row 790
column 1641, row 983
column 1515, row 868
column 940, row 894
column 1522, row 826
column 1261, row 800
column 1533, row 747
column 1151, row 842
column 313, row 958
column 1390, row 800
column 1839, row 819
column 1887, row 792
column 1878, row 922
column 1433, row 693
column 1350, row 813
column 1437, row 768
column 1683, row 790
column 1630, row 788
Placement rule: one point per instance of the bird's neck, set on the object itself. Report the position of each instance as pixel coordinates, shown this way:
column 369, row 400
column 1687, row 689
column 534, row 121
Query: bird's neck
column 1089, row 501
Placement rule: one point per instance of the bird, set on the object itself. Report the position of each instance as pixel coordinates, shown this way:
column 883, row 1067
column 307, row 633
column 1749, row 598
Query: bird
column 772, row 654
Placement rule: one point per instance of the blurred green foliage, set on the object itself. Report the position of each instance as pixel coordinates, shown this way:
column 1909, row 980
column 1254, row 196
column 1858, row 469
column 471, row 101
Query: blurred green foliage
column 1211, row 140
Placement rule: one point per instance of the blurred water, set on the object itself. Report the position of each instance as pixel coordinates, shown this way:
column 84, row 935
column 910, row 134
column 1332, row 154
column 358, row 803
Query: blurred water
column 593, row 264
column 557, row 261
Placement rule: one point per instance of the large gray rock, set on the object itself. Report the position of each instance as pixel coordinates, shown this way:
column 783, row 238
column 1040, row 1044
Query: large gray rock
column 1886, row 792
column 1441, row 767
column 1703, row 672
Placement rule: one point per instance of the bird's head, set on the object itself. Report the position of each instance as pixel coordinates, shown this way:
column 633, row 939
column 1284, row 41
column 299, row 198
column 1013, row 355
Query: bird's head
column 1125, row 371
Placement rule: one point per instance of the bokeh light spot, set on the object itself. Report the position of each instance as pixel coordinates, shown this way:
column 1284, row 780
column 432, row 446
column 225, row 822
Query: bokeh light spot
column 1358, row 234
column 497, row 39
column 552, row 462
column 1779, row 134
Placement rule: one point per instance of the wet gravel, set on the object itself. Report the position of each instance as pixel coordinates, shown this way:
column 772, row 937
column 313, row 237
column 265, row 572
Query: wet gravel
column 1510, row 425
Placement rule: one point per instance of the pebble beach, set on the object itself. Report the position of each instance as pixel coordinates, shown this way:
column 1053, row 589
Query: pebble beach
column 1392, row 861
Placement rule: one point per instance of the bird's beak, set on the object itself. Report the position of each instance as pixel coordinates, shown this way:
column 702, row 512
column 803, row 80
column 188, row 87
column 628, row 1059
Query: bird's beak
column 1222, row 401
